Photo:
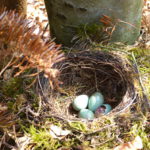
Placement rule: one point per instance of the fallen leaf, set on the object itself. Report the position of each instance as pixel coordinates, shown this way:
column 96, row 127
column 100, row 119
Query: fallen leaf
column 136, row 144
column 57, row 132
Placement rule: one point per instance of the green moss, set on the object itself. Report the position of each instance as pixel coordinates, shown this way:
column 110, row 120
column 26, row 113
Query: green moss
column 70, row 142
column 12, row 87
column 142, row 58
column 79, row 126
column 42, row 139
column 140, row 129
column 89, row 32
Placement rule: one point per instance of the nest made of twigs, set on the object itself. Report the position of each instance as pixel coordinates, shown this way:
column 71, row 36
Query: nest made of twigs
column 87, row 72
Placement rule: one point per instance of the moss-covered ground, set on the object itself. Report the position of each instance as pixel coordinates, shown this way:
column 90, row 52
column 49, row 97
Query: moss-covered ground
column 26, row 122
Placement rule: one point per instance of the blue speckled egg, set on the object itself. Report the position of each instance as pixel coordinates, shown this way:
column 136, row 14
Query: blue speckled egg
column 103, row 110
column 86, row 114
column 80, row 102
column 95, row 101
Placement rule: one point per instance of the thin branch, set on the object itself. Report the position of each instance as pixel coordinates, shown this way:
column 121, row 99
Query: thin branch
column 8, row 65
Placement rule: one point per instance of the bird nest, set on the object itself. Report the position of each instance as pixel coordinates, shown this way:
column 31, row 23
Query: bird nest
column 88, row 72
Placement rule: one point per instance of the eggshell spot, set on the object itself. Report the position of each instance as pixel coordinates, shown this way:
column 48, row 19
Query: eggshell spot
column 86, row 114
column 80, row 102
column 95, row 101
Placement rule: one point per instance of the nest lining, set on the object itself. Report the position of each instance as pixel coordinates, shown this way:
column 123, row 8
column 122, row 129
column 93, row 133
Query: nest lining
column 87, row 72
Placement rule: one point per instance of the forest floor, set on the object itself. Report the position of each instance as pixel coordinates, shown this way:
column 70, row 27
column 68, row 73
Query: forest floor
column 31, row 124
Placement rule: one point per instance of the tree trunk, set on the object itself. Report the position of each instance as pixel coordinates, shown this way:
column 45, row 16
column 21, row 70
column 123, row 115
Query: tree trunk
column 66, row 16
column 19, row 5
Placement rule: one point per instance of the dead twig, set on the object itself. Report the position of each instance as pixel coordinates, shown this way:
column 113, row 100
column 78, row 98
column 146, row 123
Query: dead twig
column 8, row 64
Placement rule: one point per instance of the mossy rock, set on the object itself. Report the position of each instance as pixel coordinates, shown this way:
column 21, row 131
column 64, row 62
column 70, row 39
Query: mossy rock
column 126, row 15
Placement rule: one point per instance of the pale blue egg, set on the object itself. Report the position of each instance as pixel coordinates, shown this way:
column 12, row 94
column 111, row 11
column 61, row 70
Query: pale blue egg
column 95, row 101
column 86, row 114
column 108, row 108
column 103, row 110
column 80, row 102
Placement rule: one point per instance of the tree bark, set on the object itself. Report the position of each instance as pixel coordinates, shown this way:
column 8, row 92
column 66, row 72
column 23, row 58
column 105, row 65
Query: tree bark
column 65, row 16
column 19, row 5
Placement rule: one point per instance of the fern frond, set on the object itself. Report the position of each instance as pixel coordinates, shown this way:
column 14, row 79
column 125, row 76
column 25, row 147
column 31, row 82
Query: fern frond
column 30, row 50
